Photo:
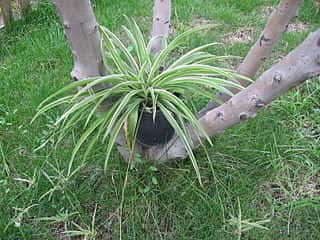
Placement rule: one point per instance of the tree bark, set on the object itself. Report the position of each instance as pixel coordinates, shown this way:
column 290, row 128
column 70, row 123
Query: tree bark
column 24, row 5
column 160, row 27
column 84, row 40
column 301, row 64
column 6, row 11
column 275, row 27
column 81, row 29
column 160, row 24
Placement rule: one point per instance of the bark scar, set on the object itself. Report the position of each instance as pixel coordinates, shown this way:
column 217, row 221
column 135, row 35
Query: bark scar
column 266, row 40
column 243, row 116
column 220, row 116
column 317, row 58
column 260, row 103
column 66, row 25
column 277, row 78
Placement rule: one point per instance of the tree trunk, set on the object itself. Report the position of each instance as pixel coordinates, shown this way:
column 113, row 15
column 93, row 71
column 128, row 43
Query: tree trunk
column 6, row 11
column 84, row 39
column 24, row 5
column 161, row 23
column 81, row 29
column 275, row 27
column 301, row 64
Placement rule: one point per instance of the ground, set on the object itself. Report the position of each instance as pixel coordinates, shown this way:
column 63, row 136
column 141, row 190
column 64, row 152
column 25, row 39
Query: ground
column 261, row 178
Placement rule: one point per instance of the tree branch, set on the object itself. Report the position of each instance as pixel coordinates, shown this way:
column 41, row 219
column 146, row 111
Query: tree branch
column 24, row 5
column 301, row 64
column 84, row 39
column 277, row 24
column 81, row 29
column 161, row 23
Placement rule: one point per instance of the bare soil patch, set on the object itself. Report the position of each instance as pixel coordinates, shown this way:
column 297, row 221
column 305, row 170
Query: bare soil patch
column 302, row 187
column 200, row 22
column 241, row 35
column 297, row 27
column 266, row 11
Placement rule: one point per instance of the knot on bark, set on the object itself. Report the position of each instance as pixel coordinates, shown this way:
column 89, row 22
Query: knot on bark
column 95, row 28
column 277, row 78
column 263, row 59
column 220, row 116
column 317, row 58
column 260, row 103
column 74, row 78
column 257, row 101
column 265, row 40
column 243, row 116
column 66, row 25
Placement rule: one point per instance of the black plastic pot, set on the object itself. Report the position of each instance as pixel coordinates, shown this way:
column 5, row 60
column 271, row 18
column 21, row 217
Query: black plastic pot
column 152, row 133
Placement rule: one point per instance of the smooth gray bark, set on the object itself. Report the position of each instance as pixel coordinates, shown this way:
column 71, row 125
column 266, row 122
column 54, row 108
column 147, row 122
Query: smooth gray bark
column 160, row 23
column 301, row 64
column 81, row 29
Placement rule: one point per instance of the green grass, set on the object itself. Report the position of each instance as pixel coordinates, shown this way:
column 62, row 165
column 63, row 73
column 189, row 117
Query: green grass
column 261, row 174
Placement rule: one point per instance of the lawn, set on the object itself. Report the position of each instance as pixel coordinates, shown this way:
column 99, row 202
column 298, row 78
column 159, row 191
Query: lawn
column 261, row 179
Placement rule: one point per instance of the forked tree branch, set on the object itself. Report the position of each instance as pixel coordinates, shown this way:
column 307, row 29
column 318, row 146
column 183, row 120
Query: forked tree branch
column 275, row 27
column 160, row 23
column 301, row 64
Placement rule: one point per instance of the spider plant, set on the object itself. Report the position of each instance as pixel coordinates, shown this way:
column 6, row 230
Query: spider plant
column 140, row 81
